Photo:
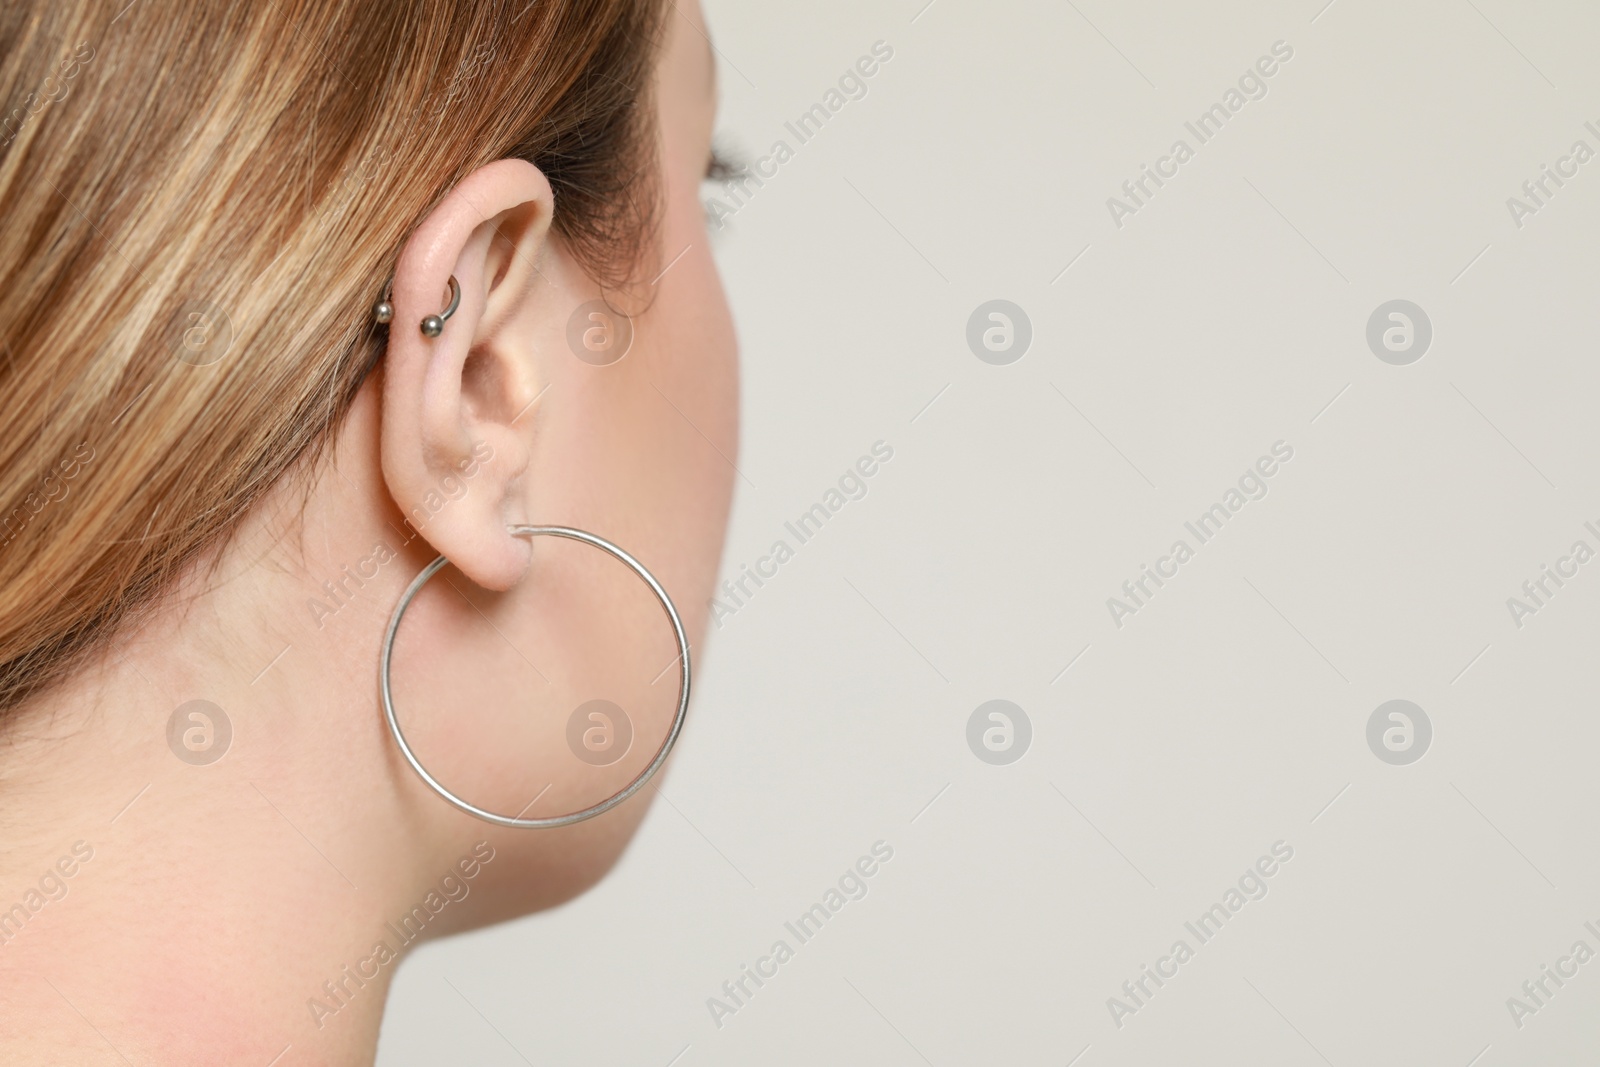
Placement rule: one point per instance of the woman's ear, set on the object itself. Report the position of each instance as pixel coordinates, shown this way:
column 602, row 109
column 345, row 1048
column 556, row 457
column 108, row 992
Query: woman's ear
column 451, row 448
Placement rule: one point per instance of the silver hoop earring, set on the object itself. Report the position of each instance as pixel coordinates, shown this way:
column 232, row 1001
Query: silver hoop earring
column 433, row 325
column 614, row 799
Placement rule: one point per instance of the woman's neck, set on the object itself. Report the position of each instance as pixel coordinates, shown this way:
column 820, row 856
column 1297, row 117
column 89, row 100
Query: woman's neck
column 191, row 881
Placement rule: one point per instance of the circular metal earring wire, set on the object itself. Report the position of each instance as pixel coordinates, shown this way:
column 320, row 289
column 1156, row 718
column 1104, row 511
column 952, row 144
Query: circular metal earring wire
column 433, row 325
column 614, row 799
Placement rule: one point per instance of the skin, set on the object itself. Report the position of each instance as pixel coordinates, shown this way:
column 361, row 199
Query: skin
column 218, row 902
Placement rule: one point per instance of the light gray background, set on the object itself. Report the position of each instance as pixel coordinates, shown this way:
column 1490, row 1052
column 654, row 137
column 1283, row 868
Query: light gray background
column 1228, row 714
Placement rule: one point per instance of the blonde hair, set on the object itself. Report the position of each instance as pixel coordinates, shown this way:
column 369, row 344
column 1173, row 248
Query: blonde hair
column 199, row 203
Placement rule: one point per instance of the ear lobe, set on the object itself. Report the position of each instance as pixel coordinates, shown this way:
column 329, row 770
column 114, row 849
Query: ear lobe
column 452, row 449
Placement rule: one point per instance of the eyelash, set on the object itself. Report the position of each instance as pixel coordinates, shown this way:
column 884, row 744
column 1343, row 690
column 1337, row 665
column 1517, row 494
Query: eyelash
column 722, row 165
